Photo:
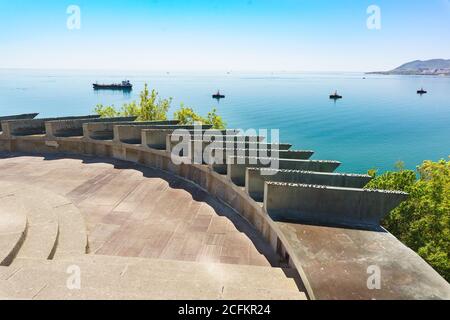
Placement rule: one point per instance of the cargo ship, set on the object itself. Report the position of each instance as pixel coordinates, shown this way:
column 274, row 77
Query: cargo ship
column 125, row 85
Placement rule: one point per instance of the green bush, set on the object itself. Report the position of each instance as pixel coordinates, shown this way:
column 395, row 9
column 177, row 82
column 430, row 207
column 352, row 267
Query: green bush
column 423, row 221
column 187, row 116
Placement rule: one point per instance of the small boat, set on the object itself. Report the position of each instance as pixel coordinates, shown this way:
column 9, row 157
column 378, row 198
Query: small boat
column 335, row 96
column 421, row 91
column 125, row 85
column 218, row 95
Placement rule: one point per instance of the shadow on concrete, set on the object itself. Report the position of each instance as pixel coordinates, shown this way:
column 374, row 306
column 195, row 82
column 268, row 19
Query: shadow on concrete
column 373, row 228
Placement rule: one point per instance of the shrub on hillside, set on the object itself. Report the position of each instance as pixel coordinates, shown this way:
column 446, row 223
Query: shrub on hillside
column 423, row 221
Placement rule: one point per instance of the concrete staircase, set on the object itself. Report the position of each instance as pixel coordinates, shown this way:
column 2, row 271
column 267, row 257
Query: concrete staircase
column 107, row 277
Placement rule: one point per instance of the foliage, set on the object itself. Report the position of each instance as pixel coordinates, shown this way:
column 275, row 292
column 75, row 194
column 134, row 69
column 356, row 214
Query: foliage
column 152, row 108
column 187, row 116
column 215, row 120
column 106, row 111
column 372, row 172
column 423, row 221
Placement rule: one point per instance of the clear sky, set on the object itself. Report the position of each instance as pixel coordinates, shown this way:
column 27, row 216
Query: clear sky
column 213, row 35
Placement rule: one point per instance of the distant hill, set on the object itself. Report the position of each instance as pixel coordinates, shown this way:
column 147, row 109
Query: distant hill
column 430, row 67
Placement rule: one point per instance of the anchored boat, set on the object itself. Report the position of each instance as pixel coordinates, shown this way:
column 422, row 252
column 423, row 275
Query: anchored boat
column 335, row 96
column 421, row 91
column 218, row 95
column 125, row 85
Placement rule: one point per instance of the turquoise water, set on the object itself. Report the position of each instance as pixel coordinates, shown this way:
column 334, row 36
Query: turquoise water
column 380, row 120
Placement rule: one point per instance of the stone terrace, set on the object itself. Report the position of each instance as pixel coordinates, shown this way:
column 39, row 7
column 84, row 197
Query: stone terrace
column 102, row 196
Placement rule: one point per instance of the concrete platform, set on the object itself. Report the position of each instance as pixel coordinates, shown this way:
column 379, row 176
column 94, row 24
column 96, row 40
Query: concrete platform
column 136, row 211
column 104, row 277
column 151, row 236
column 335, row 264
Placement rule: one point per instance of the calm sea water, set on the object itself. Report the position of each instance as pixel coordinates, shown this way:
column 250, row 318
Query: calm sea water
column 380, row 120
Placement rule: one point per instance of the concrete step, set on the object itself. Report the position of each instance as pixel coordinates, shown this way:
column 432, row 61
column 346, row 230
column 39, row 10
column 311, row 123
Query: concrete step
column 243, row 275
column 55, row 227
column 13, row 226
column 72, row 233
column 108, row 277
column 42, row 231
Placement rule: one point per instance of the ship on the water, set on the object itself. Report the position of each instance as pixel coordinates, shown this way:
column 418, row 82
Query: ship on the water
column 125, row 85
column 335, row 96
column 218, row 95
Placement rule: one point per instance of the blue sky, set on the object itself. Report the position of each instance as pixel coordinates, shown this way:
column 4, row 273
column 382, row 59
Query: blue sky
column 216, row 35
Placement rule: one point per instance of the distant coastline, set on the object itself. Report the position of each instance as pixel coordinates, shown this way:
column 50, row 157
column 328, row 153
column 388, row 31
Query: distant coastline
column 435, row 67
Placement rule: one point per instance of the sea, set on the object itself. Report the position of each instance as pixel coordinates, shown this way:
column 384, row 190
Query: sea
column 380, row 120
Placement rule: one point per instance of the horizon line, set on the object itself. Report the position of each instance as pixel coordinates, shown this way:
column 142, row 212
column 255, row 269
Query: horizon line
column 182, row 70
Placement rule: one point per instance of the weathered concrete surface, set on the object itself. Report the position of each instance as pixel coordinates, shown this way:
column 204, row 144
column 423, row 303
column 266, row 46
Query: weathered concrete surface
column 237, row 166
column 17, row 117
column 104, row 130
column 74, row 127
column 42, row 223
column 13, row 225
column 336, row 263
column 255, row 178
column 312, row 204
column 107, row 277
column 136, row 211
column 157, row 138
column 218, row 187
column 132, row 134
column 27, row 127
column 55, row 227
